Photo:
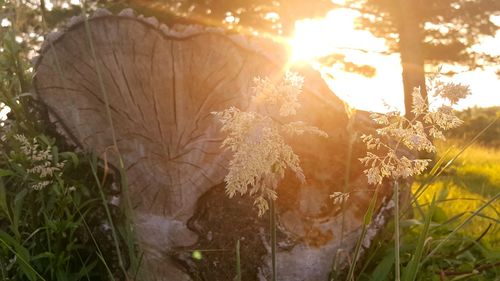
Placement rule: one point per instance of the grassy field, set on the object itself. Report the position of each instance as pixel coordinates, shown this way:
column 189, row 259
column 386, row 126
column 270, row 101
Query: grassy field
column 471, row 180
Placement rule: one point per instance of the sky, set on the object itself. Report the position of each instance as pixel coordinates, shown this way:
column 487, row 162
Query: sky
column 386, row 87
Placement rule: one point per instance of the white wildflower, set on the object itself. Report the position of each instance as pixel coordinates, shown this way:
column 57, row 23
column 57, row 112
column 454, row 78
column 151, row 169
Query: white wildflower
column 299, row 128
column 373, row 175
column 40, row 162
column 453, row 92
column 437, row 134
column 419, row 105
column 284, row 94
column 443, row 118
column 40, row 185
column 260, row 154
column 414, row 134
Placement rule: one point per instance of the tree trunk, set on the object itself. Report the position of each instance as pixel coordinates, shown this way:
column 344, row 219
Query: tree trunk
column 410, row 48
column 160, row 85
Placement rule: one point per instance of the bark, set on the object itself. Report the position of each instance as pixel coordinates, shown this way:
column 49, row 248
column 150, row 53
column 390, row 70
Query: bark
column 410, row 48
column 162, row 83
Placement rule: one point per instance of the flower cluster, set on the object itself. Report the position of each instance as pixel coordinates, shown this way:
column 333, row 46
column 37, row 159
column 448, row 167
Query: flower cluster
column 339, row 197
column 260, row 154
column 41, row 163
column 416, row 134
column 285, row 94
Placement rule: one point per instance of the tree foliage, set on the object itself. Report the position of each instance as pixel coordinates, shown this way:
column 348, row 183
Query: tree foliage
column 449, row 27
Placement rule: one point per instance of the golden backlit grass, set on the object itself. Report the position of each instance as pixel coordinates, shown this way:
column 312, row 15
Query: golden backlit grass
column 466, row 185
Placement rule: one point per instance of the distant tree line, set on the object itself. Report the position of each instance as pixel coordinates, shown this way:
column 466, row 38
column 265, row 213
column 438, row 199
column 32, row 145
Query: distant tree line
column 475, row 120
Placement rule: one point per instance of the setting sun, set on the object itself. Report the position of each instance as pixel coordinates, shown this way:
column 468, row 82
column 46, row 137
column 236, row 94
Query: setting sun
column 336, row 34
column 314, row 38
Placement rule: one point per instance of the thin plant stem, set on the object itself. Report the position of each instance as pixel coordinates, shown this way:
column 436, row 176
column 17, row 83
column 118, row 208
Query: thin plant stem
column 272, row 214
column 397, row 276
column 98, row 249
column 238, row 261
column 129, row 233
column 128, row 212
column 352, row 138
column 347, row 172
column 367, row 219
column 110, row 218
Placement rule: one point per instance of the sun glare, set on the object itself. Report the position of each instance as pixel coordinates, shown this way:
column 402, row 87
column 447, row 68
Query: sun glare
column 316, row 38
column 336, row 34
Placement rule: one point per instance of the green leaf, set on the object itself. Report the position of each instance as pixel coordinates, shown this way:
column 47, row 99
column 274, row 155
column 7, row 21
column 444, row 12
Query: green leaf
column 22, row 256
column 439, row 215
column 18, row 169
column 18, row 207
column 384, row 267
column 6, row 173
column 70, row 155
column 410, row 222
column 45, row 140
column 3, row 199
column 55, row 154
column 44, row 255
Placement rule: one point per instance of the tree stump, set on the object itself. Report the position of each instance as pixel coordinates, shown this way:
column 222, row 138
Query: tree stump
column 150, row 89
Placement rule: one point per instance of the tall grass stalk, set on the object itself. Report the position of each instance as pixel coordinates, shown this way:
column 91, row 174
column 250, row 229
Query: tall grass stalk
column 129, row 234
column 238, row 261
column 397, row 262
column 351, row 114
column 101, row 83
column 99, row 251
column 109, row 217
column 367, row 219
column 93, row 167
column 272, row 214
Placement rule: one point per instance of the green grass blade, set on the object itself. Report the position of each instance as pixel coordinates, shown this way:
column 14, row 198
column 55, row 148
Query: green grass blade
column 272, row 214
column 426, row 184
column 22, row 254
column 384, row 267
column 367, row 219
column 109, row 217
column 480, row 209
column 128, row 232
column 411, row 270
column 99, row 252
column 397, row 262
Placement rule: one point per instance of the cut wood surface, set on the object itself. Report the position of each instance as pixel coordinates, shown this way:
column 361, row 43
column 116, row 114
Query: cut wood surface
column 160, row 85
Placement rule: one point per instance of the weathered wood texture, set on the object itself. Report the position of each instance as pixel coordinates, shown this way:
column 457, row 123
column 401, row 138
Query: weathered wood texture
column 162, row 83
